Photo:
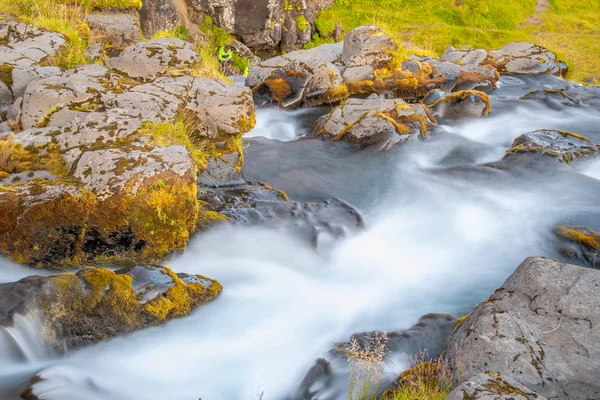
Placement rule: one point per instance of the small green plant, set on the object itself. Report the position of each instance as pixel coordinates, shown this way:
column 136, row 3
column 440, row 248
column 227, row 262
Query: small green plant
column 366, row 366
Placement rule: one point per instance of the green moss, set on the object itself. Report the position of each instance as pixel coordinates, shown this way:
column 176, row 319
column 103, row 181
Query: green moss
column 302, row 23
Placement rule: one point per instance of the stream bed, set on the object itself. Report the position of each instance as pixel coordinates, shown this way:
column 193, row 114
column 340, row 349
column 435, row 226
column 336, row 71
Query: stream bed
column 446, row 224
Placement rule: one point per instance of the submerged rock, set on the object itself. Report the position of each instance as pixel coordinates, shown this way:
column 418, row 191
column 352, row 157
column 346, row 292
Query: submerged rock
column 329, row 377
column 96, row 304
column 565, row 146
column 374, row 122
column 316, row 223
column 580, row 243
column 458, row 105
column 539, row 328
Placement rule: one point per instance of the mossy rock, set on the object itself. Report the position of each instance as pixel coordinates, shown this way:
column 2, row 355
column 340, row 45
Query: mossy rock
column 95, row 304
column 561, row 145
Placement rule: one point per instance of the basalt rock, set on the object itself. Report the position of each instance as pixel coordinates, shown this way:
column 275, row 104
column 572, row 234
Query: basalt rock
column 564, row 146
column 539, row 329
column 374, row 122
column 255, row 204
column 328, row 378
column 95, row 304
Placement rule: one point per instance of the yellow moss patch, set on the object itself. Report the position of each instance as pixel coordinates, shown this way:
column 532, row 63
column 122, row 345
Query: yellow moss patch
column 281, row 193
column 279, row 87
column 424, row 381
column 579, row 235
column 6, row 74
column 464, row 94
column 336, row 94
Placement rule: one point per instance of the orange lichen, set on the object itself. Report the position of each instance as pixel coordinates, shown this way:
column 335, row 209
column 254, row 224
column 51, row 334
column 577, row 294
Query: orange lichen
column 579, row 235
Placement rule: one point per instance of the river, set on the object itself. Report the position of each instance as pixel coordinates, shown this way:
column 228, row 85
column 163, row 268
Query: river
column 444, row 229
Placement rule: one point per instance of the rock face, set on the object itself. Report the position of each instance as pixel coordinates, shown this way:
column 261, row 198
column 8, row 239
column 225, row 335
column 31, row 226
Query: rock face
column 106, row 168
column 316, row 223
column 539, row 329
column 95, row 304
column 329, row 376
column 564, row 146
column 374, row 122
column 265, row 24
column 492, row 387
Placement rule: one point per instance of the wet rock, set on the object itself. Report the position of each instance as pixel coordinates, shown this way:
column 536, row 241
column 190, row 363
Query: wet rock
column 539, row 329
column 147, row 60
column 523, row 58
column 458, row 105
column 328, row 378
column 251, row 204
column 119, row 29
column 299, row 78
column 96, row 304
column 222, row 172
column 456, row 76
column 579, row 243
column 492, row 386
column 367, row 45
column 555, row 99
column 374, row 122
column 565, row 146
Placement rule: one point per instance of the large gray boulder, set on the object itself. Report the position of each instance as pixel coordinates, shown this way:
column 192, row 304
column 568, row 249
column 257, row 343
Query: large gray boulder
column 148, row 60
column 374, row 122
column 367, row 45
column 540, row 329
column 561, row 145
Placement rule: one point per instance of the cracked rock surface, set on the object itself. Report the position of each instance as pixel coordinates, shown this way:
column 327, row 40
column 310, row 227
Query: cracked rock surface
column 541, row 328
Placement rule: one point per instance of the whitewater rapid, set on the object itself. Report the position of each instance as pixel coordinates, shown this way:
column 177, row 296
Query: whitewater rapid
column 442, row 233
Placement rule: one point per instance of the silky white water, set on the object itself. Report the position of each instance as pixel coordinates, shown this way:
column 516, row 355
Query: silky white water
column 442, row 233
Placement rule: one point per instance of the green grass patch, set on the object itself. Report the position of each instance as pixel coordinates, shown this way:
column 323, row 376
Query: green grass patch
column 177, row 32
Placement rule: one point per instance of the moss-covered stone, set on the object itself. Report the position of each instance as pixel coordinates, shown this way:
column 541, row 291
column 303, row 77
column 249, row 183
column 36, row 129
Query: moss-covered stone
column 96, row 304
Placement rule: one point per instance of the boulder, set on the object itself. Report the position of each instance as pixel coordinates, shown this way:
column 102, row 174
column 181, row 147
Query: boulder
column 492, row 386
column 328, row 378
column 458, row 105
column 579, row 243
column 367, row 45
column 516, row 58
column 106, row 169
column 315, row 223
column 148, row 60
column 299, row 78
column 115, row 30
column 554, row 99
column 95, row 304
column 564, row 146
column 374, row 122
column 539, row 329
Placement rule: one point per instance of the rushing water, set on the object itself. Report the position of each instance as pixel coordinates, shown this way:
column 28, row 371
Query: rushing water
column 443, row 232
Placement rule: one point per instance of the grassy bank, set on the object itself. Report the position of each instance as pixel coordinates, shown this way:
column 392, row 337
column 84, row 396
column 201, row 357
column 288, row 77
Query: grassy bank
column 571, row 28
